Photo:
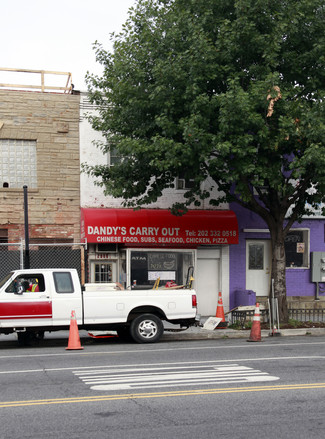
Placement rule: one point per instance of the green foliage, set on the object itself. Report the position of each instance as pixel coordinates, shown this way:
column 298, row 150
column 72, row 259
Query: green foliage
column 241, row 325
column 295, row 323
column 227, row 89
column 187, row 90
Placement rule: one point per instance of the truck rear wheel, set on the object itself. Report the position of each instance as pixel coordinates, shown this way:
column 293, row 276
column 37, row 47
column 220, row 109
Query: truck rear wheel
column 146, row 328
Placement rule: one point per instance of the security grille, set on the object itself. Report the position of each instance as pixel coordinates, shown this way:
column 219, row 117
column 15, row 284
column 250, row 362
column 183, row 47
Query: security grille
column 68, row 255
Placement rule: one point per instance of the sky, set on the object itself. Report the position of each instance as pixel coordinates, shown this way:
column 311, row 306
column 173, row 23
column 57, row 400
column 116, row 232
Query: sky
column 57, row 35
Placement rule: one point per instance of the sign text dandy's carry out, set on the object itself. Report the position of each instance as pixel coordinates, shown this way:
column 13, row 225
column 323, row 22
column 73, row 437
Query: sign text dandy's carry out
column 159, row 235
column 159, row 227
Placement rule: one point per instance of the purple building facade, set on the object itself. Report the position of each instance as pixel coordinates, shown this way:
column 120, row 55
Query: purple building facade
column 250, row 260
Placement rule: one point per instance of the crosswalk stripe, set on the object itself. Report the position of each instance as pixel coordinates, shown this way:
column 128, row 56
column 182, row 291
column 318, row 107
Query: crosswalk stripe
column 135, row 378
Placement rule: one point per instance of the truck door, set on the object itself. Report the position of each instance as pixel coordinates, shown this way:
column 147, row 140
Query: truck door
column 26, row 302
column 66, row 297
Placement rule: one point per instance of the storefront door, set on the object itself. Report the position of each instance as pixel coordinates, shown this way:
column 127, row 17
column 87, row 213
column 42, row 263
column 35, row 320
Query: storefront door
column 258, row 266
column 207, row 281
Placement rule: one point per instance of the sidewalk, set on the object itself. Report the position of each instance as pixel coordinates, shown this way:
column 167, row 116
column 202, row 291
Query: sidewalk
column 198, row 333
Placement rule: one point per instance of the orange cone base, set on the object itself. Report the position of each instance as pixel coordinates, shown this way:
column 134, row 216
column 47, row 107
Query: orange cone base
column 220, row 313
column 74, row 344
column 74, row 339
column 253, row 340
column 255, row 334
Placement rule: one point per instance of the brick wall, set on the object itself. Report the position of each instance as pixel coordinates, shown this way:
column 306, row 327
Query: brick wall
column 52, row 119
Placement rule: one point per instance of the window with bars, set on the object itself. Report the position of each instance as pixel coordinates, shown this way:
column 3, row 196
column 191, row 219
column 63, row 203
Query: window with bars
column 18, row 164
column 103, row 272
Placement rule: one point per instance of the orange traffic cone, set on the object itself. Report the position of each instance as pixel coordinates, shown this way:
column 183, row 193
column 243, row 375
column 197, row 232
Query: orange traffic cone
column 74, row 339
column 255, row 334
column 220, row 313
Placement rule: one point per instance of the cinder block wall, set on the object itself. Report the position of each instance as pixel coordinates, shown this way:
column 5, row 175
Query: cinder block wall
column 52, row 119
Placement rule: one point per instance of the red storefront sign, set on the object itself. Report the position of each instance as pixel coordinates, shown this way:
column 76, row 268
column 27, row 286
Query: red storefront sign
column 151, row 227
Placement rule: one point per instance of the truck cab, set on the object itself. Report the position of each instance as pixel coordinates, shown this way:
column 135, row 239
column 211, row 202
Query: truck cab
column 39, row 298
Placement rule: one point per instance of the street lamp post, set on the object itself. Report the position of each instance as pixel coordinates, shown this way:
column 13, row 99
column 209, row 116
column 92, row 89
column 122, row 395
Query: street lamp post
column 26, row 258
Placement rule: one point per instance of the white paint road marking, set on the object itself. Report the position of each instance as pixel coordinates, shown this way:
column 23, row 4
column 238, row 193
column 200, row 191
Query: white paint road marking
column 112, row 368
column 151, row 350
column 135, row 378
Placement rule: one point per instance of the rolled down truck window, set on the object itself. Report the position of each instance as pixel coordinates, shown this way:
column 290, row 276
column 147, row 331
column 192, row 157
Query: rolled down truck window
column 63, row 282
column 28, row 283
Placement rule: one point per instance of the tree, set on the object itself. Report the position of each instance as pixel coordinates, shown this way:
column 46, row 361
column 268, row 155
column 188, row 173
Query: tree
column 227, row 89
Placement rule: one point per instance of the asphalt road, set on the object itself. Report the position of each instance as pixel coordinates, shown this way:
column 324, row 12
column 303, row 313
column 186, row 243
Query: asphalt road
column 173, row 389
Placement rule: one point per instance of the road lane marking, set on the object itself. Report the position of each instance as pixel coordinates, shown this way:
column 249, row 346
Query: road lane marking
column 169, row 394
column 135, row 378
column 100, row 367
column 149, row 350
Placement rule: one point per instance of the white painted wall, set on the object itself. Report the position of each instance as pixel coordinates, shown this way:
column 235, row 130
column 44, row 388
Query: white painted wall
column 91, row 195
column 213, row 264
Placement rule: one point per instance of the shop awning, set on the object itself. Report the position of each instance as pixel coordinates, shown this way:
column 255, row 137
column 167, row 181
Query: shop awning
column 152, row 227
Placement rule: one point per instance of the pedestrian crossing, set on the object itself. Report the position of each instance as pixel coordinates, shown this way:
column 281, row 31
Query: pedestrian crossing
column 179, row 375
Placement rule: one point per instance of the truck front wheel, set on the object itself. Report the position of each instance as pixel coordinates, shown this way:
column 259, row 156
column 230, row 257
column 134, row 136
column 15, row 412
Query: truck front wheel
column 30, row 338
column 146, row 328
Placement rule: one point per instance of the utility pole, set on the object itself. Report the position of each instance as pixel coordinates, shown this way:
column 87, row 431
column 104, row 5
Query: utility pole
column 26, row 258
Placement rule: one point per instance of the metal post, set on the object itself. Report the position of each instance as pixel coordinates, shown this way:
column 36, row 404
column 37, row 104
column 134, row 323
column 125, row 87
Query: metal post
column 270, row 318
column 26, row 259
column 21, row 252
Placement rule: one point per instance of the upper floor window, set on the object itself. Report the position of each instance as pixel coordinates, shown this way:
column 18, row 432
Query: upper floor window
column 184, row 183
column 114, row 157
column 18, row 164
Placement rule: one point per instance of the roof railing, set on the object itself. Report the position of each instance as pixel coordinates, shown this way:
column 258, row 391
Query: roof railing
column 40, row 86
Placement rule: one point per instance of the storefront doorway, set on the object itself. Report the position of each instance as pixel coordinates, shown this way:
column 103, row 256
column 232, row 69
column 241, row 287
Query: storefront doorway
column 207, row 281
column 139, row 248
column 258, row 266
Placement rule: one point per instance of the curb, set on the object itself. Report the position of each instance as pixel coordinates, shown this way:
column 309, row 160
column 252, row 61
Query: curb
column 217, row 334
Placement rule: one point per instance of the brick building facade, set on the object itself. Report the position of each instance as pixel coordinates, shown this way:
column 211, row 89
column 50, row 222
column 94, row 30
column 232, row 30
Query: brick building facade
column 39, row 147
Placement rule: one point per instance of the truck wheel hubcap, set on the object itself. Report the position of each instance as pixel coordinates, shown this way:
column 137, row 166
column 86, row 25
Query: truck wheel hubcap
column 147, row 329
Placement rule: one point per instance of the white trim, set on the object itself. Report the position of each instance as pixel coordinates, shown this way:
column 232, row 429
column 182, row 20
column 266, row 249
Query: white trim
column 256, row 231
column 224, row 276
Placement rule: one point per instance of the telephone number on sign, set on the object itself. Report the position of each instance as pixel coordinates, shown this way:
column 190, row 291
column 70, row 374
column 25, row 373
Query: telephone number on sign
column 217, row 233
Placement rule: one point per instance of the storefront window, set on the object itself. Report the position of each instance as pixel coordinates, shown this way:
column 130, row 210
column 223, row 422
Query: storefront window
column 296, row 248
column 170, row 267
column 103, row 272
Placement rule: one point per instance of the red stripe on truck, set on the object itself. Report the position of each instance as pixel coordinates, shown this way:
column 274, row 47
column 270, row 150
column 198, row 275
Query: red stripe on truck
column 27, row 310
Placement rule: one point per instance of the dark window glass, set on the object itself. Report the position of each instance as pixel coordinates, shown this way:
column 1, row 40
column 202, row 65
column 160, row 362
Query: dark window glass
column 256, row 256
column 63, row 282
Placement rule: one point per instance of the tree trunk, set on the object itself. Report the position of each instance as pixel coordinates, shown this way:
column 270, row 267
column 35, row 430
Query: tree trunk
column 279, row 273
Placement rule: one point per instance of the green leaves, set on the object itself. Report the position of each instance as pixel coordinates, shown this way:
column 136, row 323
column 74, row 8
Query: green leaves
column 230, row 90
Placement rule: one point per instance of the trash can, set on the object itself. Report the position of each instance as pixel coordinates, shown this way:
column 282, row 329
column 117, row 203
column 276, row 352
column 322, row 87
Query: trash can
column 244, row 298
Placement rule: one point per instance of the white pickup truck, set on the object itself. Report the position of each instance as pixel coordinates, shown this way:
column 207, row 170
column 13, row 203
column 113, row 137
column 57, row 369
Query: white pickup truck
column 34, row 301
